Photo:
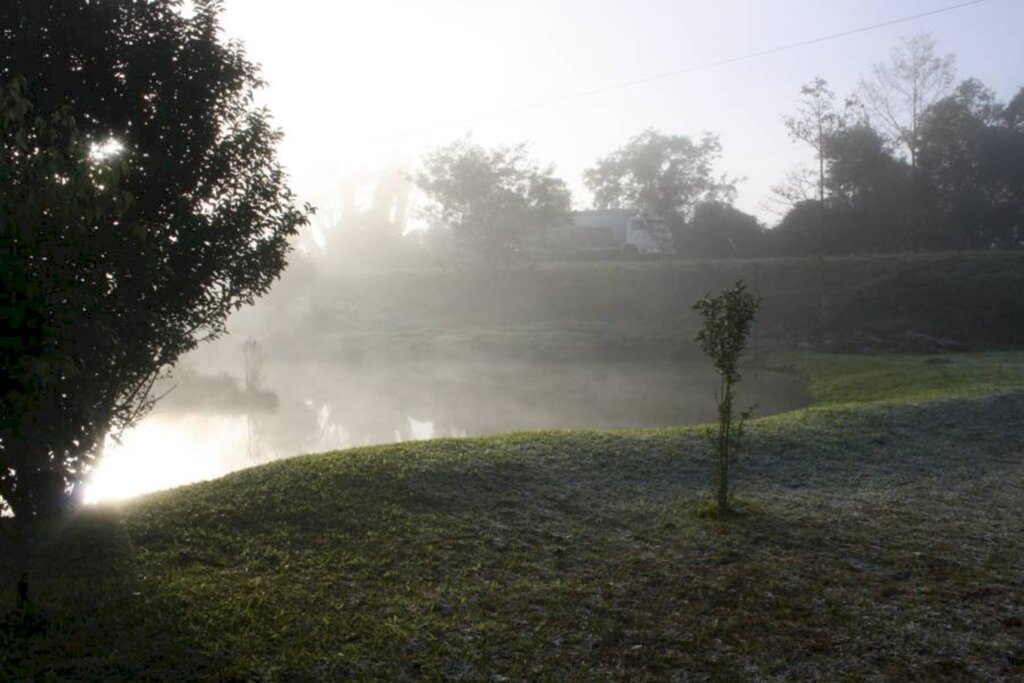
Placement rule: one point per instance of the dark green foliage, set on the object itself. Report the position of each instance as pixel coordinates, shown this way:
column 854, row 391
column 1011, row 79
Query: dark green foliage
column 971, row 159
column 492, row 200
column 726, row 321
column 719, row 230
column 53, row 199
column 140, row 254
column 868, row 189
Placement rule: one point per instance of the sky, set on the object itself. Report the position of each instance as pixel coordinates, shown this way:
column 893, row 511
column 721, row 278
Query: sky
column 359, row 85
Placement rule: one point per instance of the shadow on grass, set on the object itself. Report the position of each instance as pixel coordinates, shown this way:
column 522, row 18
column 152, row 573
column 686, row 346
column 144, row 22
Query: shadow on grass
column 94, row 615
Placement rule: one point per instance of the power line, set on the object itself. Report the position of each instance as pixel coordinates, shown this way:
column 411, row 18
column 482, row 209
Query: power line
column 691, row 69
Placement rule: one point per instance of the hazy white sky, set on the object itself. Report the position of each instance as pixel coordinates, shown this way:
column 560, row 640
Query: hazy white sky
column 359, row 84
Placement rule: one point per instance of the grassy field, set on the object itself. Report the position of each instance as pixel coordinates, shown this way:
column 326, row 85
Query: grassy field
column 880, row 538
column 835, row 379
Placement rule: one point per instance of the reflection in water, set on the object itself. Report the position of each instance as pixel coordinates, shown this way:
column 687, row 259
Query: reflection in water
column 301, row 408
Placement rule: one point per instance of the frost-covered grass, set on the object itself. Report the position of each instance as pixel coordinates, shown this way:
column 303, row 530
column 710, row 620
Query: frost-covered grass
column 880, row 539
column 836, row 379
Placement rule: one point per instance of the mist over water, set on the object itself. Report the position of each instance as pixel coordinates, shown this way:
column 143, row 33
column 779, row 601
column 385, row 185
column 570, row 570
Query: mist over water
column 211, row 423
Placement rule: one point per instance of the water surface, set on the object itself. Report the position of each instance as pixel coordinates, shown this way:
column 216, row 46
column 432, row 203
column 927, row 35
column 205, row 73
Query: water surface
column 212, row 423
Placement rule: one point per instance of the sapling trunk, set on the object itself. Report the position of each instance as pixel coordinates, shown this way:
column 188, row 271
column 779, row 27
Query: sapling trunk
column 22, row 561
column 724, row 446
column 727, row 320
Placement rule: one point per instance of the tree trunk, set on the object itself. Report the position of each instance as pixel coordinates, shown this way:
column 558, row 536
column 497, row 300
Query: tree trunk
column 822, row 239
column 26, row 503
column 22, row 560
column 724, row 429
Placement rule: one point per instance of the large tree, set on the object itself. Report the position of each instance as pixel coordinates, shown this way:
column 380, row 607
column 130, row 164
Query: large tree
column 868, row 188
column 662, row 175
column 105, row 289
column 491, row 199
column 972, row 159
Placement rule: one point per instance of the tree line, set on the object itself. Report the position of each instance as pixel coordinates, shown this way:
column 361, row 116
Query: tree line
column 911, row 161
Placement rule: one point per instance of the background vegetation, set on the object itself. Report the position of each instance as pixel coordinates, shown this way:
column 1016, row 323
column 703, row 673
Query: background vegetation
column 643, row 309
column 912, row 159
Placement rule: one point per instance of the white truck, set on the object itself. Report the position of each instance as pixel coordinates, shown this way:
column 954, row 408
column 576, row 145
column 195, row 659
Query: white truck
column 611, row 232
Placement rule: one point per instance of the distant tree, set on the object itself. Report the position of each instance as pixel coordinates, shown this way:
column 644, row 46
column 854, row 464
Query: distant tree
column 370, row 233
column 1013, row 114
column 662, row 175
column 967, row 191
column 972, row 157
column 868, row 190
column 859, row 163
column 898, row 93
column 726, row 321
column 720, row 230
column 799, row 185
column 818, row 118
column 799, row 231
column 491, row 199
column 109, row 282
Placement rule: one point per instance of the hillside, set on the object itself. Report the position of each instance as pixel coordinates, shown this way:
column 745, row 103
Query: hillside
column 626, row 309
column 880, row 538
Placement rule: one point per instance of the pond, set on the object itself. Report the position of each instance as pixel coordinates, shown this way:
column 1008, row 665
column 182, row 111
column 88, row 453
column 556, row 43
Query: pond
column 211, row 424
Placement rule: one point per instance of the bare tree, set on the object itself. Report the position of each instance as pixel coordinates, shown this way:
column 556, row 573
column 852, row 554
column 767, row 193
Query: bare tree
column 799, row 185
column 900, row 91
column 817, row 119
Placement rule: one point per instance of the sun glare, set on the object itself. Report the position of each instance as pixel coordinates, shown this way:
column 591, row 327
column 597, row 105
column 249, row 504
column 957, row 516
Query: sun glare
column 108, row 148
column 161, row 453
